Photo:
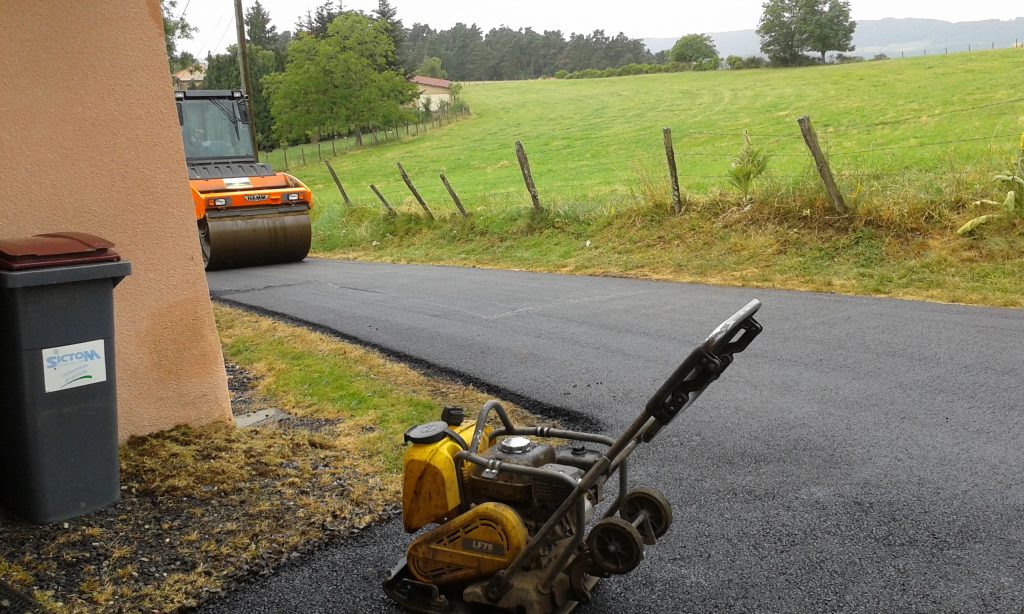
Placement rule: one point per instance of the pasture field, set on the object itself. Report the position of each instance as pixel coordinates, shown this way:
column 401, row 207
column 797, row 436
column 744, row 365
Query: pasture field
column 588, row 138
column 913, row 144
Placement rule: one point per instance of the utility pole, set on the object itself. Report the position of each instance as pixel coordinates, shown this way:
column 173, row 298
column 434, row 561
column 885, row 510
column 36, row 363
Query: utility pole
column 243, row 68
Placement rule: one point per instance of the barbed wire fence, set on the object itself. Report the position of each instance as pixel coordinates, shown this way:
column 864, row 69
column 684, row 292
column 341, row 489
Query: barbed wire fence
column 946, row 49
column 813, row 156
column 305, row 154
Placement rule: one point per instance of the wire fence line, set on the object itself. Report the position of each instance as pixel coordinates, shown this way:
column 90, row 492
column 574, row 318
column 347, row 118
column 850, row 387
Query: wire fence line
column 306, row 154
column 581, row 167
column 918, row 118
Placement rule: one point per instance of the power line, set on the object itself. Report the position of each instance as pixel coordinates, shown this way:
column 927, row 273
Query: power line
column 182, row 14
column 213, row 30
column 224, row 33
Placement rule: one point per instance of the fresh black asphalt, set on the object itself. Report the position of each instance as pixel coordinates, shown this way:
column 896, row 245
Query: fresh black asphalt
column 863, row 455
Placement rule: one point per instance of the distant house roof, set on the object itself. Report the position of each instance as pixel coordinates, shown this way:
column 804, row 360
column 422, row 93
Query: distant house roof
column 431, row 81
column 191, row 74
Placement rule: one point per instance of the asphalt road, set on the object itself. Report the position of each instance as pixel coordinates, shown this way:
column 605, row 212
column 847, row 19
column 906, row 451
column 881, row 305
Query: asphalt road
column 863, row 455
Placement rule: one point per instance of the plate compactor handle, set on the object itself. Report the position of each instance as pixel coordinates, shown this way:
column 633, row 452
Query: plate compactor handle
column 703, row 366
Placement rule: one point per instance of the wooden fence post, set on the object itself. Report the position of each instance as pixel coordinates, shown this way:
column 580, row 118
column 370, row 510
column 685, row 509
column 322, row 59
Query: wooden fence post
column 821, row 162
column 338, row 182
column 673, row 175
column 285, row 150
column 391, row 212
column 302, row 150
column 524, row 165
column 455, row 197
column 334, row 148
column 319, row 155
column 415, row 193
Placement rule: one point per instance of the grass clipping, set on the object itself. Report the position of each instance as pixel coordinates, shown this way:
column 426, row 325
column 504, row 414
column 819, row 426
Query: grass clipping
column 203, row 509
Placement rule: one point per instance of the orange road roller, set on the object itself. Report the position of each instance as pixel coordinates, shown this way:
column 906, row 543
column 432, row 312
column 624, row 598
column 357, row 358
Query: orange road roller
column 246, row 213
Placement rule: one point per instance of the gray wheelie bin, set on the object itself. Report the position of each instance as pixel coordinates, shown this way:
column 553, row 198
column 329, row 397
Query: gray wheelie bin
column 58, row 401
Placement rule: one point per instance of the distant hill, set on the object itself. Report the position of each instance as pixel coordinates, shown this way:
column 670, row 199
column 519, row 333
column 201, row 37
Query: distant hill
column 888, row 36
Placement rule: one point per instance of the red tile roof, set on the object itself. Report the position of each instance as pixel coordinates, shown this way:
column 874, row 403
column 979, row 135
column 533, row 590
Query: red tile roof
column 418, row 80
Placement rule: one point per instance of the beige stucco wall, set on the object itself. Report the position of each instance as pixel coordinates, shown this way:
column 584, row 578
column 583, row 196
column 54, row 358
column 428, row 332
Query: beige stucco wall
column 90, row 142
column 434, row 94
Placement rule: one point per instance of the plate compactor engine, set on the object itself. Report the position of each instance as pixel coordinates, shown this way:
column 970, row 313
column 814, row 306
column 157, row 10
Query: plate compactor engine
column 512, row 512
column 247, row 214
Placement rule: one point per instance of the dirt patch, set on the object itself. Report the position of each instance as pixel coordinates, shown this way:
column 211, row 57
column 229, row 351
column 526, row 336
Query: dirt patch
column 242, row 387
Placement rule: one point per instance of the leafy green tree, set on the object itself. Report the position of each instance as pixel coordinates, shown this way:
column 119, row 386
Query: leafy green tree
column 622, row 50
column 258, row 29
column 778, row 32
column 694, row 48
column 304, row 24
column 175, row 29
column 431, row 67
column 503, row 53
column 388, row 15
column 463, row 52
column 419, row 42
column 340, row 82
column 316, row 22
column 222, row 73
column 183, row 60
column 324, row 16
column 825, row 25
column 789, row 28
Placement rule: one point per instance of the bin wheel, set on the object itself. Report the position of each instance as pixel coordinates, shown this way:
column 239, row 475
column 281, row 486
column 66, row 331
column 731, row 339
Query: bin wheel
column 650, row 503
column 615, row 546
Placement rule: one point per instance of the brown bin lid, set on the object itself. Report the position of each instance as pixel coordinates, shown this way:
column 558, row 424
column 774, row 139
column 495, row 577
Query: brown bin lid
column 54, row 250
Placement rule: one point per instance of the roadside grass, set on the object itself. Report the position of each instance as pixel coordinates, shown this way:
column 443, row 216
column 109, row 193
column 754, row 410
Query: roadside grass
column 756, row 247
column 206, row 508
column 312, row 375
column 914, row 145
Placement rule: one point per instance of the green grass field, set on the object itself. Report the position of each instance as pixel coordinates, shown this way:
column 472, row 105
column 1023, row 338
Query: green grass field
column 589, row 139
column 914, row 144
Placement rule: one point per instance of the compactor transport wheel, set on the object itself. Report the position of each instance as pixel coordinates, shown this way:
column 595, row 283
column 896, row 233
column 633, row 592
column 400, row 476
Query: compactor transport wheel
column 651, row 504
column 615, row 546
column 247, row 236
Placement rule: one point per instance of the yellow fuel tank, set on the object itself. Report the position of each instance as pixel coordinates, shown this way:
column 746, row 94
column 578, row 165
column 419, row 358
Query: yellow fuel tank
column 430, row 490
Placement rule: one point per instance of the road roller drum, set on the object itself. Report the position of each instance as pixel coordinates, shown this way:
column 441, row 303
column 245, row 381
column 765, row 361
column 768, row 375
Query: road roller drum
column 252, row 237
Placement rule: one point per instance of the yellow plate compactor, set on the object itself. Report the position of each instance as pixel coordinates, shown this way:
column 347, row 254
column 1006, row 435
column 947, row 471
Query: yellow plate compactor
column 513, row 515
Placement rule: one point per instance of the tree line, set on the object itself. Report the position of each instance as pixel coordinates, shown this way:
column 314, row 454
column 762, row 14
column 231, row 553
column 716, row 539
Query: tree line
column 342, row 71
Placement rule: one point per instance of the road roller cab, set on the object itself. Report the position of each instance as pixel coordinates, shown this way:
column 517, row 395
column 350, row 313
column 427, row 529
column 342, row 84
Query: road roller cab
column 246, row 213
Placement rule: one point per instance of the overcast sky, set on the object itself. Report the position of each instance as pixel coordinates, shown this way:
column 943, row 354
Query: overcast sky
column 637, row 18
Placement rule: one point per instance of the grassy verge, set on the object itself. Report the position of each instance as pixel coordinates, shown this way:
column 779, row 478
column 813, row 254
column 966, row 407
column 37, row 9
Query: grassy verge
column 914, row 152
column 205, row 508
column 773, row 244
